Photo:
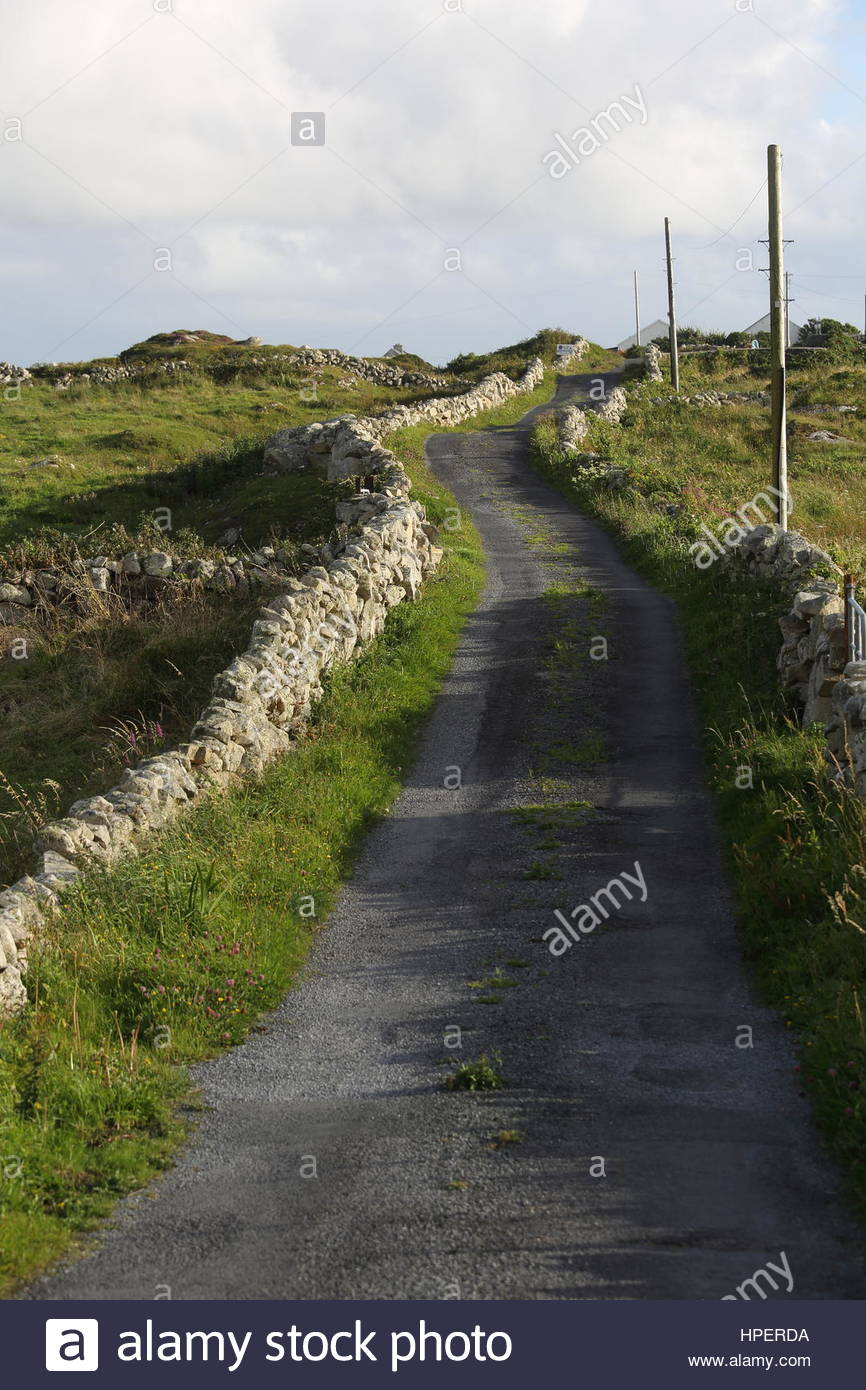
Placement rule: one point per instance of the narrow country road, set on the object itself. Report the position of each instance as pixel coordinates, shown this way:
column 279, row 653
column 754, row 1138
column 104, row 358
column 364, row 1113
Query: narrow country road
column 658, row 1159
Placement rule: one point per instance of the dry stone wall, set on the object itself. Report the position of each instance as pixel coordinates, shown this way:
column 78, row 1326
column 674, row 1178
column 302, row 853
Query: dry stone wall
column 139, row 575
column 716, row 398
column 653, row 363
column 264, row 698
column 572, row 422
column 349, row 447
column 813, row 655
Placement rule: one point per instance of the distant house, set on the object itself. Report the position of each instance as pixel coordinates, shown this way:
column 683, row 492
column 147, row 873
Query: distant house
column 397, row 350
column 763, row 326
column 659, row 329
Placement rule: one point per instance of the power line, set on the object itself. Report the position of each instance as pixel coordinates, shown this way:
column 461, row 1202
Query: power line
column 711, row 244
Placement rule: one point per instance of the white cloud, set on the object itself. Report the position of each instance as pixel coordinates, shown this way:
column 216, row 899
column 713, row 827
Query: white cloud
column 143, row 129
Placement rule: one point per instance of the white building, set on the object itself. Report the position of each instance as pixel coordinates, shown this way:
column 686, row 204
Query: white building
column 659, row 329
column 763, row 326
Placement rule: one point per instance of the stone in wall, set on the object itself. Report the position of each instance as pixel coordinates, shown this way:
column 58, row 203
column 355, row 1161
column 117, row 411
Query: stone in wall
column 846, row 727
column 653, row 363
column 768, row 552
column 572, row 428
column 613, row 406
column 813, row 654
column 716, row 398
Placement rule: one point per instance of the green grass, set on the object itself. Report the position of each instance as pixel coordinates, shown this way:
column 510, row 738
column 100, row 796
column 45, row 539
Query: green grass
column 191, row 445
column 90, row 699
column 795, row 842
column 715, row 460
column 482, row 1074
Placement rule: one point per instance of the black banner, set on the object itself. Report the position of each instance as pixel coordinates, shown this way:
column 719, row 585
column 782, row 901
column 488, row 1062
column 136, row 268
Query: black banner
column 505, row 1345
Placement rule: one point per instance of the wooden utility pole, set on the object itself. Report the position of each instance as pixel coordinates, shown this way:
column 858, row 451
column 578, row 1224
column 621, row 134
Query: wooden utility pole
column 672, row 310
column 636, row 310
column 777, row 334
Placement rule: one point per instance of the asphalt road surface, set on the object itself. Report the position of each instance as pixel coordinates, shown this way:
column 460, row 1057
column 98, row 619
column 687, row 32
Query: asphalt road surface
column 635, row 1151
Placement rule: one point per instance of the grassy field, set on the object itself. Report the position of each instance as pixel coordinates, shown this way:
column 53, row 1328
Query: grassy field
column 716, row 459
column 99, row 688
column 796, row 843
column 172, row 957
column 190, row 443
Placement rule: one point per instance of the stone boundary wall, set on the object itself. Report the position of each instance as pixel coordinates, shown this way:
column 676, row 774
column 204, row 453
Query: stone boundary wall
column 567, row 359
column 813, row 662
column 109, row 374
column 715, row 398
column 349, row 447
column 572, row 422
column 652, row 363
column 813, row 656
column 27, row 595
column 263, row 699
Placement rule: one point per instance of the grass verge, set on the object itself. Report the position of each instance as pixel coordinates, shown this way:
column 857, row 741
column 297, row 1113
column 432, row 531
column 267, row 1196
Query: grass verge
column 796, row 843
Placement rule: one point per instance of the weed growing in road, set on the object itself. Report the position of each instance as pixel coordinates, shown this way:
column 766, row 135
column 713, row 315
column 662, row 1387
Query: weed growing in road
column 481, row 1075
column 538, row 870
column 506, row 1137
column 494, row 981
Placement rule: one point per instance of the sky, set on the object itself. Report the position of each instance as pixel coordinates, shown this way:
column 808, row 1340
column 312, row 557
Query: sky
column 440, row 173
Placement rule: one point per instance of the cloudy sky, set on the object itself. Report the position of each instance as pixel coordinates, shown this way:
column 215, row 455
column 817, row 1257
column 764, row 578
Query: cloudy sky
column 468, row 190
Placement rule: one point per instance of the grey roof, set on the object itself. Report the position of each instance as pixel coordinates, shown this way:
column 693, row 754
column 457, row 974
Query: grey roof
column 763, row 326
column 658, row 329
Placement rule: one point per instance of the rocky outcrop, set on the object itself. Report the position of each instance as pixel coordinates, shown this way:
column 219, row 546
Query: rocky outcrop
column 263, row 699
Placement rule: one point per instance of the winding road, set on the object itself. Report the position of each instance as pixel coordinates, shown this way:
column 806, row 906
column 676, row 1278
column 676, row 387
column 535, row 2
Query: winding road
column 635, row 1151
